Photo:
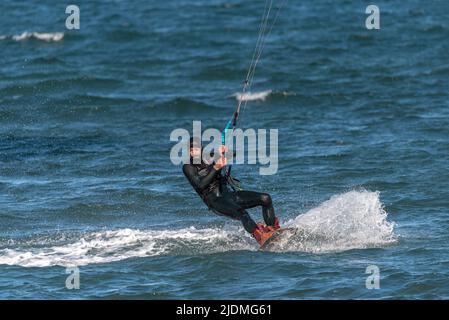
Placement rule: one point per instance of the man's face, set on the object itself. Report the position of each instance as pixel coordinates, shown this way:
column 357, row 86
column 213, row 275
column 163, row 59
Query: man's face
column 195, row 152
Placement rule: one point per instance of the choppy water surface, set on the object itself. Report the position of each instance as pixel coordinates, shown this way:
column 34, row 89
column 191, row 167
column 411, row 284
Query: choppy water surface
column 86, row 179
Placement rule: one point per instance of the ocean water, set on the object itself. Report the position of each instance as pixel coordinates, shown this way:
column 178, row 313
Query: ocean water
column 85, row 175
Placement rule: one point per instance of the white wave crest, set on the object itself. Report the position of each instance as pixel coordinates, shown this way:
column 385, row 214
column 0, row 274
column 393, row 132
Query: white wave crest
column 354, row 220
column 253, row 96
column 48, row 37
column 115, row 245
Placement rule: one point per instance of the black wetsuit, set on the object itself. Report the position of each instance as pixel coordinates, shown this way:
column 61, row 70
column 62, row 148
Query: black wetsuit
column 212, row 187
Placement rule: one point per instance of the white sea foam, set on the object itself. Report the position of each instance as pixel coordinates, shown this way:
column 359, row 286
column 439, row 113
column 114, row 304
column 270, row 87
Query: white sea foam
column 252, row 96
column 115, row 245
column 354, row 220
column 48, row 36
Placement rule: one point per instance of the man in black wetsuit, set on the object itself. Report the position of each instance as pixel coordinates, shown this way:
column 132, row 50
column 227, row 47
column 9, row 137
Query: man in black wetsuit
column 212, row 186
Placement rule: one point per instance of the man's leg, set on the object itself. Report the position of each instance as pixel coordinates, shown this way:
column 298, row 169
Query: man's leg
column 251, row 199
column 226, row 206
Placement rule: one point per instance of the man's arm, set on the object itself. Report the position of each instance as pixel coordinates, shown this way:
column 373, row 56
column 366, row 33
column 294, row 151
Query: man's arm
column 200, row 183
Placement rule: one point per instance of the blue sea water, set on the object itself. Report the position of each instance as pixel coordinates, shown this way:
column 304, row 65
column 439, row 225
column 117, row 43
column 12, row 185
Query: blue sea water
column 86, row 179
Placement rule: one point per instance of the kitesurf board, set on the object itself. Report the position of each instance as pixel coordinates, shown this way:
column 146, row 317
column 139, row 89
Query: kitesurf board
column 279, row 234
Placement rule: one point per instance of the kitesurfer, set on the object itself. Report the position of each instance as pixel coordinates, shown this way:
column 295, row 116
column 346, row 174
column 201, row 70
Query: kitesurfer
column 212, row 186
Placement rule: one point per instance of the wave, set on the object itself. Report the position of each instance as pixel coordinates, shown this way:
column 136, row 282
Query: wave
column 261, row 95
column 115, row 245
column 47, row 36
column 252, row 96
column 354, row 220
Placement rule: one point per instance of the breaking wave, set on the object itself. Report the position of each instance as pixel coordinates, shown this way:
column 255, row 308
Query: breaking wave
column 45, row 36
column 253, row 96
